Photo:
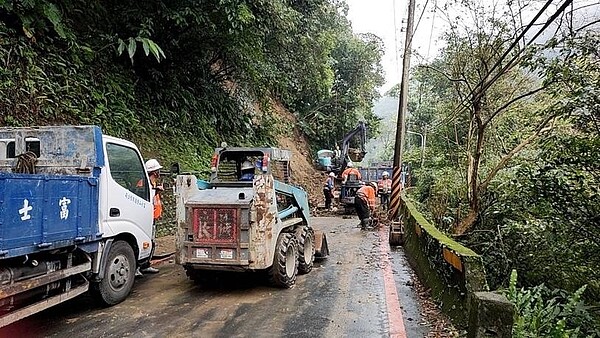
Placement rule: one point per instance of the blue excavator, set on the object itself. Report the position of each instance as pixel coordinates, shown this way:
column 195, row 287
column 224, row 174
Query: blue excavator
column 337, row 160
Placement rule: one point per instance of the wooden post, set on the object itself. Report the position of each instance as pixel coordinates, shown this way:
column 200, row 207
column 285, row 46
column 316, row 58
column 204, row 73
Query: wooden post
column 402, row 107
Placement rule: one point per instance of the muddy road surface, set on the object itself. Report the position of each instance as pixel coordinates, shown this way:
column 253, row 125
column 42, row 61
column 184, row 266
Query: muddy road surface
column 362, row 290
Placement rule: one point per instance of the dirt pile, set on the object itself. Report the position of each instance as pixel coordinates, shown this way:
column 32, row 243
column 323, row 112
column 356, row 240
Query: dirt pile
column 304, row 173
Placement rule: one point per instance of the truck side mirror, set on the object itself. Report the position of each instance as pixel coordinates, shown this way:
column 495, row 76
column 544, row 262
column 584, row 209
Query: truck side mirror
column 175, row 169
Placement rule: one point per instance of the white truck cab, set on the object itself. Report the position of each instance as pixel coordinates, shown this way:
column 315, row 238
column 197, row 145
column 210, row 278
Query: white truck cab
column 76, row 216
column 125, row 195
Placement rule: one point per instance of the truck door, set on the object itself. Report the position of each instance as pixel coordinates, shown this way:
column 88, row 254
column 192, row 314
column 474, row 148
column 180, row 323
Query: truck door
column 129, row 208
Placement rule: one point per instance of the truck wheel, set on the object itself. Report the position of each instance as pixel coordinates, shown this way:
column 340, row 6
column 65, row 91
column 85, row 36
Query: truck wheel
column 119, row 275
column 306, row 255
column 285, row 262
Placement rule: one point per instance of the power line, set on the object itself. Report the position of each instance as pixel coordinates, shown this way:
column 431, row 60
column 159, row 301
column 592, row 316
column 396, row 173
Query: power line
column 516, row 56
column 396, row 38
column 431, row 31
column 485, row 85
column 420, row 17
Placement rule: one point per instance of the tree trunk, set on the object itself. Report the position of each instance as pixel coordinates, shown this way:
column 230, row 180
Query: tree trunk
column 473, row 173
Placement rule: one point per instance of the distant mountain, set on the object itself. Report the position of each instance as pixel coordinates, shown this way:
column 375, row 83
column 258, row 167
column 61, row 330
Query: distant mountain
column 386, row 107
column 381, row 148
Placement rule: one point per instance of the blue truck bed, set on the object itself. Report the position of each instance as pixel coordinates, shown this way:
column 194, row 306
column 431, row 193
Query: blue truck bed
column 58, row 206
column 374, row 174
column 39, row 212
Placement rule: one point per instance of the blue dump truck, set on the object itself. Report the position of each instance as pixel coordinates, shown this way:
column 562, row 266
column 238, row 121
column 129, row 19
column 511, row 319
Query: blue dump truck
column 75, row 216
column 250, row 218
column 375, row 174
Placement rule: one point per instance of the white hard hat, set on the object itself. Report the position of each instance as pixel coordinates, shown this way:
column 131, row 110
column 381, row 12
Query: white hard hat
column 247, row 165
column 332, row 174
column 385, row 173
column 152, row 165
column 350, row 165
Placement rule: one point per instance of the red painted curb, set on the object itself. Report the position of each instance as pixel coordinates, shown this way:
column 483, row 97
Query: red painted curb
column 395, row 319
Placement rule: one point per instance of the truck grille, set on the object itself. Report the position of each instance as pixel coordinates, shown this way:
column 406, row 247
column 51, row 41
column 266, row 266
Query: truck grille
column 212, row 225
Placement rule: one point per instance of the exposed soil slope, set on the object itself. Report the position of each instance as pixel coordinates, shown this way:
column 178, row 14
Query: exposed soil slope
column 304, row 173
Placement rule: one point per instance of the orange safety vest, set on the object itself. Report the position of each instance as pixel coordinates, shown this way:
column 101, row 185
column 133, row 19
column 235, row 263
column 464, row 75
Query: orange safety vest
column 156, row 202
column 367, row 193
column 385, row 185
column 351, row 171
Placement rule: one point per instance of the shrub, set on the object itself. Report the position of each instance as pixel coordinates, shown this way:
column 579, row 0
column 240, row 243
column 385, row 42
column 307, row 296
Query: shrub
column 541, row 312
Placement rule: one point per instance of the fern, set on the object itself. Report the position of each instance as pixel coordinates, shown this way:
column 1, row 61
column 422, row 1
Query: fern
column 541, row 312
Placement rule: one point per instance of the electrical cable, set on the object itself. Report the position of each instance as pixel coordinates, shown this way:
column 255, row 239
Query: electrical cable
column 548, row 22
column 419, row 21
column 431, row 31
column 485, row 85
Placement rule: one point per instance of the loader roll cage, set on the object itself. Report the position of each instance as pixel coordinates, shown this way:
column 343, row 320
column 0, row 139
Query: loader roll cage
column 226, row 165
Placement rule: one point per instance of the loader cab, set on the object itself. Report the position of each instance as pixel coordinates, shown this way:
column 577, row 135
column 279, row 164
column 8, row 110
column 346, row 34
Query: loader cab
column 228, row 167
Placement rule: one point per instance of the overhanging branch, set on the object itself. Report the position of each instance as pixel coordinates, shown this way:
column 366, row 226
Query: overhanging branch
column 509, row 103
column 541, row 127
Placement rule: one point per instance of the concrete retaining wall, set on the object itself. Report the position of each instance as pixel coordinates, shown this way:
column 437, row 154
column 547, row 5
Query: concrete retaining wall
column 453, row 272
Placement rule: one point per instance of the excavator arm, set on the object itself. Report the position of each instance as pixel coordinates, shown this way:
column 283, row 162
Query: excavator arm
column 361, row 132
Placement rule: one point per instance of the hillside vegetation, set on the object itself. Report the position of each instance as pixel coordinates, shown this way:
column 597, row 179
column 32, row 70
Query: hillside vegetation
column 511, row 167
column 180, row 77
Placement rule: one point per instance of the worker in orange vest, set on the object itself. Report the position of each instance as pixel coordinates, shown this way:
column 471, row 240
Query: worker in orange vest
column 351, row 173
column 385, row 189
column 364, row 202
column 153, row 170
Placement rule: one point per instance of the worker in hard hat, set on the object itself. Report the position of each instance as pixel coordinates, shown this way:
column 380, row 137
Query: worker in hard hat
column 351, row 173
column 328, row 190
column 247, row 171
column 153, row 170
column 364, row 202
column 385, row 189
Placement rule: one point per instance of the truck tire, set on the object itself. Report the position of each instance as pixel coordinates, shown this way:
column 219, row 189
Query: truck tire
column 306, row 250
column 119, row 275
column 285, row 261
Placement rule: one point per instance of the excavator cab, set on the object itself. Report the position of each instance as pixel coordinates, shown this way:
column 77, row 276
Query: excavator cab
column 337, row 160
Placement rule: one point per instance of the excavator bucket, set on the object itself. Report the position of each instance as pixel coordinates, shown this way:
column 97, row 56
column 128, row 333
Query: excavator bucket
column 356, row 155
column 321, row 248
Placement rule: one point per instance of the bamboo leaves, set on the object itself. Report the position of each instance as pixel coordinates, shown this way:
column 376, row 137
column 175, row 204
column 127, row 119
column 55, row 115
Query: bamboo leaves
column 131, row 46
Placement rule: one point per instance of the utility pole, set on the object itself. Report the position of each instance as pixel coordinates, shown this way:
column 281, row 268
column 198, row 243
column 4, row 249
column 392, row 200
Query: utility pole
column 402, row 108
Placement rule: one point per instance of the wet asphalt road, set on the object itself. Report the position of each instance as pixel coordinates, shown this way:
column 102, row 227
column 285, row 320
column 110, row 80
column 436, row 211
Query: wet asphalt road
column 344, row 296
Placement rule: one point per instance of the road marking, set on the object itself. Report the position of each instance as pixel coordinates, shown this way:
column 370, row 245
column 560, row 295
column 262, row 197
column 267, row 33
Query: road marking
column 394, row 311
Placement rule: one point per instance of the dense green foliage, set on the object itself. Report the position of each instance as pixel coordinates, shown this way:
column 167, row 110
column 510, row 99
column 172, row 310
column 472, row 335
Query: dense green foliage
column 180, row 77
column 512, row 167
column 540, row 312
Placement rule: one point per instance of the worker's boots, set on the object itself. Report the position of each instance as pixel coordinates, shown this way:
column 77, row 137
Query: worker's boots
column 365, row 223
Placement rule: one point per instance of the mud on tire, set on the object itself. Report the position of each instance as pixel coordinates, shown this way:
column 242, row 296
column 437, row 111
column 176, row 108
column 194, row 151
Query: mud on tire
column 119, row 275
column 306, row 249
column 285, row 261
